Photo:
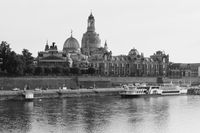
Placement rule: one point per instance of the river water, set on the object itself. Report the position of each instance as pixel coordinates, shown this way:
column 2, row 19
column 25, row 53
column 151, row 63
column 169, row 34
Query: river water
column 103, row 114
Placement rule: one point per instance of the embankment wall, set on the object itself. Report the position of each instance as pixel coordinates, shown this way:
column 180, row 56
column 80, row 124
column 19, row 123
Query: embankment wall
column 81, row 82
column 36, row 82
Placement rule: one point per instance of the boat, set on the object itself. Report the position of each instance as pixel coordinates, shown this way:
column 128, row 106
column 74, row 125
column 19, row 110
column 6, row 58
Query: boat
column 142, row 91
column 131, row 91
column 172, row 89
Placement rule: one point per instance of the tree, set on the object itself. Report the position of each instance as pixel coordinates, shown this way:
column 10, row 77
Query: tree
column 14, row 64
column 28, row 61
column 66, row 70
column 39, row 71
column 91, row 70
column 4, row 53
column 56, row 70
column 75, row 70
column 47, row 71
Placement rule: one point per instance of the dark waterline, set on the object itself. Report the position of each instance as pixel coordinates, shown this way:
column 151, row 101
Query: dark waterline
column 170, row 114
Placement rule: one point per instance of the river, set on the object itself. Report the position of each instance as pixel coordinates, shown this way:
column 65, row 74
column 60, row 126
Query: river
column 102, row 114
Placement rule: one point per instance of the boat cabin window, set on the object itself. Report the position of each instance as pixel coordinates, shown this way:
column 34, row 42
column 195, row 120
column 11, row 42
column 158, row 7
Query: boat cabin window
column 143, row 87
column 170, row 91
column 155, row 87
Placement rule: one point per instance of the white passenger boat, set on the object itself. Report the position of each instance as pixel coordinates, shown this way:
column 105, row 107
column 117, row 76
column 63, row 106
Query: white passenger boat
column 170, row 89
column 142, row 91
column 131, row 91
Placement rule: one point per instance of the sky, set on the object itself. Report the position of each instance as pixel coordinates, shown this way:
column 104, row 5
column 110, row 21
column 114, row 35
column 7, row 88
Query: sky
column 172, row 26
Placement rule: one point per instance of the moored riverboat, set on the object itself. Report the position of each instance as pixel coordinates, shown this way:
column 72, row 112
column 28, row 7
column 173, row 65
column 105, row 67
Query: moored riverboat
column 139, row 91
column 170, row 89
column 143, row 91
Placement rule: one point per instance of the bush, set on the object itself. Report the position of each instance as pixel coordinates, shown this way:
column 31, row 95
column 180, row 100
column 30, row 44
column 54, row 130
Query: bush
column 47, row 71
column 39, row 71
column 57, row 70
column 66, row 71
column 91, row 70
column 75, row 70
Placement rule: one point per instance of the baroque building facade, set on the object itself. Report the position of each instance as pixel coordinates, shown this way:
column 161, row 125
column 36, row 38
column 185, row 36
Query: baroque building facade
column 51, row 57
column 179, row 70
column 133, row 64
column 92, row 55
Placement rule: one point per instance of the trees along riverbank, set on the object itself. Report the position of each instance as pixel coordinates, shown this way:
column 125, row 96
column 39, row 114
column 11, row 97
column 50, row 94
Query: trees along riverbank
column 24, row 64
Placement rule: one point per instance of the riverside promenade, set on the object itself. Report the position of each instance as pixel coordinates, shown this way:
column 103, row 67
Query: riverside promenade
column 78, row 85
column 58, row 93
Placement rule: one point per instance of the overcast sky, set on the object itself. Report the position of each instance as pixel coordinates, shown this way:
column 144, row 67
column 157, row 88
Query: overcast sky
column 147, row 25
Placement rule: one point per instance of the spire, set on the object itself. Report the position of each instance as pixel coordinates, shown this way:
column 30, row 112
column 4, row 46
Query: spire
column 71, row 32
column 105, row 43
column 47, row 46
column 105, row 46
column 91, row 16
column 91, row 23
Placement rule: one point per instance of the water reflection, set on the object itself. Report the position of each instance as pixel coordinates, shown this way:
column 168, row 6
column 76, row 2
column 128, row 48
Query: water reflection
column 87, row 115
column 102, row 115
column 15, row 116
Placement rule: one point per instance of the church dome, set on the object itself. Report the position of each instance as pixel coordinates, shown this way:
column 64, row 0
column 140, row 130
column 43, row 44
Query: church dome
column 133, row 52
column 71, row 44
column 91, row 40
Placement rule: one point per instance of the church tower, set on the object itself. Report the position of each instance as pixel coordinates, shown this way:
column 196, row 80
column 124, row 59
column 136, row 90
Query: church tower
column 91, row 23
column 90, row 40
